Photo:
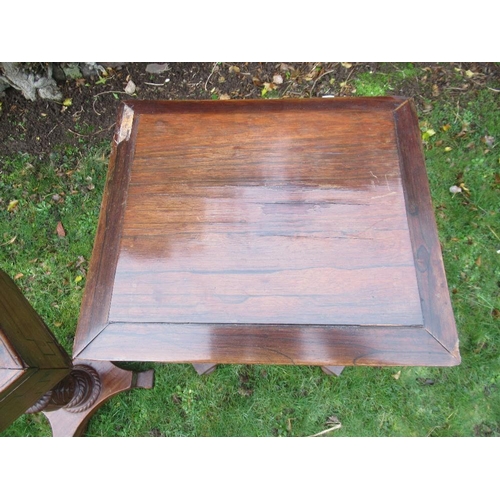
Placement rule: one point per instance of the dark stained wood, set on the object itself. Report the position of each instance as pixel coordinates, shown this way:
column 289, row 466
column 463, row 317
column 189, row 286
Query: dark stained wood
column 286, row 231
column 269, row 344
column 24, row 332
column 24, row 390
column 31, row 360
column 434, row 296
column 265, row 106
column 114, row 380
column 95, row 304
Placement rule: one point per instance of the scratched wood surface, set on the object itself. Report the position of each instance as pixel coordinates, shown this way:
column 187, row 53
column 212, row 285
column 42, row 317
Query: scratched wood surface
column 243, row 229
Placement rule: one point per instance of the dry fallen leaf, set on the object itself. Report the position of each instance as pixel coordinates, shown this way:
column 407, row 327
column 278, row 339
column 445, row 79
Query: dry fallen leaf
column 224, row 97
column 397, row 375
column 234, row 69
column 464, row 188
column 130, row 88
column 78, row 279
column 267, row 87
column 79, row 261
column 18, row 275
column 60, row 230
column 489, row 140
column 12, row 205
column 9, row 242
column 346, row 65
column 277, row 79
column 455, row 189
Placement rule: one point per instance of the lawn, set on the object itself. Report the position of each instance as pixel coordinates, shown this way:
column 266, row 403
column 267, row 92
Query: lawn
column 49, row 206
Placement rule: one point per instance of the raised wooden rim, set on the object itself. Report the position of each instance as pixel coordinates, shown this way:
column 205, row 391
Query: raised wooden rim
column 433, row 344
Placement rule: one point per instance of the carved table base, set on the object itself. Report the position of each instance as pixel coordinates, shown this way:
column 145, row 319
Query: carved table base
column 65, row 422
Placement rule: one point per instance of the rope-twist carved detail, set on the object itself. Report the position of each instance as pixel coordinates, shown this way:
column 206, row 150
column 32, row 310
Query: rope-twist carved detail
column 41, row 404
column 87, row 389
column 75, row 393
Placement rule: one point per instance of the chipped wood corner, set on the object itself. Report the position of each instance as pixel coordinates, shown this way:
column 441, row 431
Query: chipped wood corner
column 125, row 129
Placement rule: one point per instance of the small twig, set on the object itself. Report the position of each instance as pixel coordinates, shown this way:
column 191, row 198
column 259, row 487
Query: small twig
column 240, row 73
column 287, row 87
column 94, row 133
column 210, row 75
column 496, row 235
column 155, row 84
column 330, row 429
column 494, row 90
column 95, row 110
column 53, row 128
column 321, row 76
column 9, row 242
column 349, row 75
column 111, row 92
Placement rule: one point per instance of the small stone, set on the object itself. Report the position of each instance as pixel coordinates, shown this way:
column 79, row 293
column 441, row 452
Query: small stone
column 90, row 69
column 157, row 68
column 455, row 189
column 130, row 88
column 277, row 79
column 72, row 71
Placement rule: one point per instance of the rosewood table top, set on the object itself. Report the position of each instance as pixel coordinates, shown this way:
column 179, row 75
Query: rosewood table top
column 268, row 231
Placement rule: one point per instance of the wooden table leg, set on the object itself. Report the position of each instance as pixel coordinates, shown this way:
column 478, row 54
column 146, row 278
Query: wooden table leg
column 333, row 370
column 204, row 368
column 113, row 380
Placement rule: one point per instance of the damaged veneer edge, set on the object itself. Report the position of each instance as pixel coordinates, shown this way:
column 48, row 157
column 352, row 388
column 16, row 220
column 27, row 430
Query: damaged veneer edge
column 125, row 125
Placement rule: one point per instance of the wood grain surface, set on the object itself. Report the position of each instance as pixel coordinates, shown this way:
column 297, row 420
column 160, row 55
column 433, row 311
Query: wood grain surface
column 239, row 229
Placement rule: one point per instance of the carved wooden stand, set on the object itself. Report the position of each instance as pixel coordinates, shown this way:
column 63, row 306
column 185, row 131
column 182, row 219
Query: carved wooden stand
column 71, row 420
column 36, row 374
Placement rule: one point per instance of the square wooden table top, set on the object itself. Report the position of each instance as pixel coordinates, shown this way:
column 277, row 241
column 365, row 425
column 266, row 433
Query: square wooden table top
column 268, row 231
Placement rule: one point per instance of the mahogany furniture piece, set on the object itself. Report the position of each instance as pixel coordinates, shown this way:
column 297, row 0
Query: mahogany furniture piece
column 271, row 232
column 268, row 231
column 37, row 375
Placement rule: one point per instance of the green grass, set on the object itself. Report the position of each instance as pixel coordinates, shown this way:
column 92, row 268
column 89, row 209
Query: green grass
column 385, row 80
column 284, row 400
